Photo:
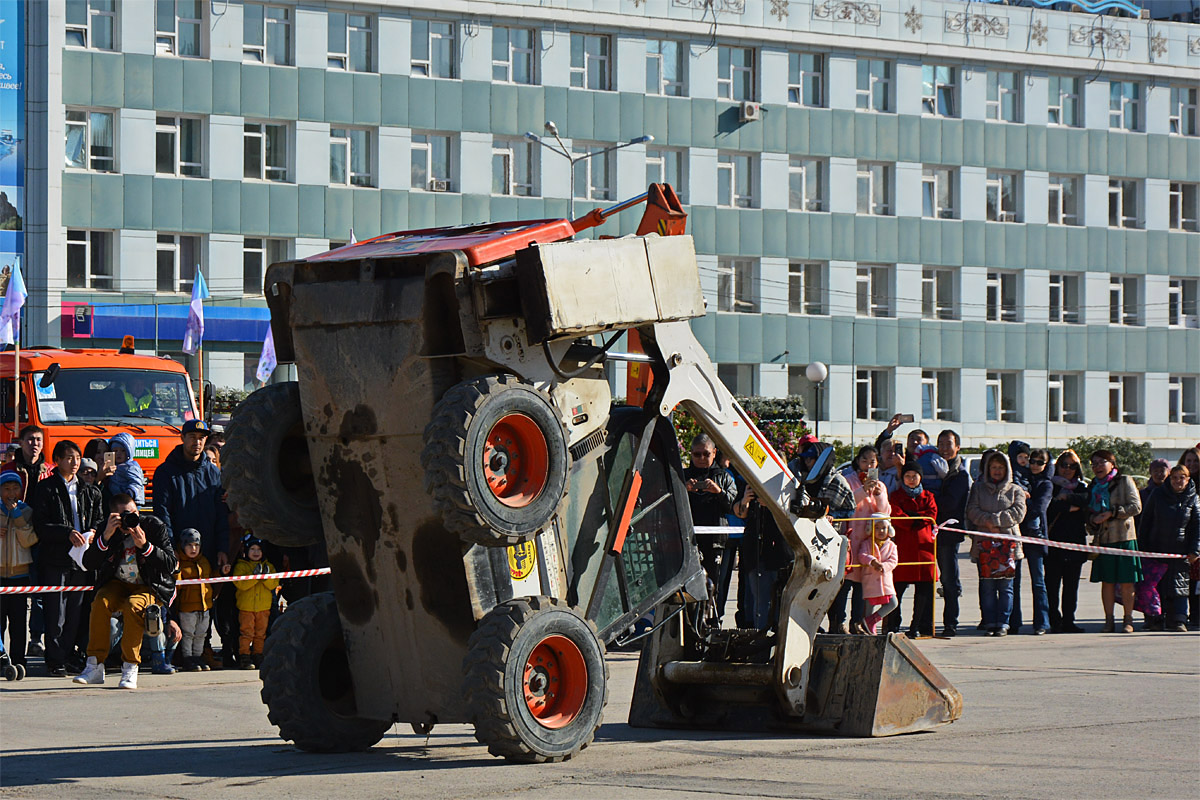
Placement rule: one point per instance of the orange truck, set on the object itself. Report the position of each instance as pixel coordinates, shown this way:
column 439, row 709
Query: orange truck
column 86, row 394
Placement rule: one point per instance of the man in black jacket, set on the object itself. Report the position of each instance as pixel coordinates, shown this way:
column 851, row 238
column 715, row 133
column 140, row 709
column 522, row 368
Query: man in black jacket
column 951, row 501
column 136, row 566
column 711, row 492
column 66, row 514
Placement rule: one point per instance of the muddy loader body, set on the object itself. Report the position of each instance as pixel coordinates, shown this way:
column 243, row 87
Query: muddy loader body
column 492, row 522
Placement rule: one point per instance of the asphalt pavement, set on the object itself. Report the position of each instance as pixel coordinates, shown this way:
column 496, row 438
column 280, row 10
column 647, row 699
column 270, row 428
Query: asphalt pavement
column 1059, row 716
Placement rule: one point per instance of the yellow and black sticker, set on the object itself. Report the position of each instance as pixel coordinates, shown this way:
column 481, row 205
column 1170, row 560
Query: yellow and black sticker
column 755, row 451
column 522, row 558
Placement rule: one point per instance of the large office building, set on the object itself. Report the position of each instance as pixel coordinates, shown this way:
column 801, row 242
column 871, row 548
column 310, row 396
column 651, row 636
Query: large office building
column 981, row 214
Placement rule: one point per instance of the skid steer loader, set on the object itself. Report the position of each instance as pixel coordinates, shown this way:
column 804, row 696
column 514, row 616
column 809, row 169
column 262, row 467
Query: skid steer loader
column 491, row 520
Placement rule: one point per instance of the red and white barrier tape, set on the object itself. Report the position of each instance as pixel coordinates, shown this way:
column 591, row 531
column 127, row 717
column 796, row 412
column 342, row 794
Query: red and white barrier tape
column 296, row 573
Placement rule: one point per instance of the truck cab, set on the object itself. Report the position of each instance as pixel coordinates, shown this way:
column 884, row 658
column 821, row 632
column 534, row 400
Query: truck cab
column 86, row 394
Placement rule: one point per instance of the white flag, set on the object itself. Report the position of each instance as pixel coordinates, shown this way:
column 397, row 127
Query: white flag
column 14, row 300
column 266, row 362
column 193, row 337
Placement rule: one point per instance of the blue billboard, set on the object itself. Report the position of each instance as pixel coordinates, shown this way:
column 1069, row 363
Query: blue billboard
column 12, row 137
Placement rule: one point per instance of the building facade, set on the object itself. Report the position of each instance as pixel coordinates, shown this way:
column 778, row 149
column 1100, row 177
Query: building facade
column 982, row 215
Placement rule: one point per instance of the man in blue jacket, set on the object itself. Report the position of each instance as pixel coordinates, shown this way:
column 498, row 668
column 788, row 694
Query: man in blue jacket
column 188, row 494
column 1034, row 477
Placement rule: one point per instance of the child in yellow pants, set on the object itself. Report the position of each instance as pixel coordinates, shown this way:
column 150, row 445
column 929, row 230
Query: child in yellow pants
column 254, row 601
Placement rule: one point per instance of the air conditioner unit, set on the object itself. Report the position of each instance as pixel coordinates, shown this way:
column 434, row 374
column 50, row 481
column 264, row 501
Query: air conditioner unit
column 749, row 112
column 439, row 186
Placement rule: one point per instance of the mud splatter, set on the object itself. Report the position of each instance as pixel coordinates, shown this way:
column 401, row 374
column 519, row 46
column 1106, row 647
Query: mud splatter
column 355, row 598
column 438, row 564
column 401, row 560
column 359, row 422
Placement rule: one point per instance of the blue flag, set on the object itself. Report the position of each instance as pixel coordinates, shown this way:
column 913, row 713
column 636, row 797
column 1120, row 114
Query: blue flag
column 14, row 300
column 193, row 337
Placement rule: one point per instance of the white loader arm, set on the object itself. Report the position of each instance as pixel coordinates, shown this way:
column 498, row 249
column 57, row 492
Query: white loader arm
column 820, row 552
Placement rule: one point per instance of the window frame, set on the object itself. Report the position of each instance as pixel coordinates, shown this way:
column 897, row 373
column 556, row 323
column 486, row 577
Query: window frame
column 1183, row 302
column 1122, row 191
column 995, row 107
column 1066, row 384
column 269, row 25
column 998, row 212
column 735, row 75
column 737, row 285
column 1064, row 295
column 663, row 156
column 506, row 150
column 266, row 259
column 583, row 171
column 800, row 80
column 343, row 136
column 864, row 97
column 1179, row 193
column 935, row 91
column 994, row 387
column 1183, row 402
column 940, row 384
column 1182, row 109
column 1125, row 294
column 732, row 166
column 166, row 42
column 1056, row 213
column 802, row 168
column 937, row 177
column 265, row 169
column 1122, row 104
column 87, row 29
column 664, row 86
column 1065, row 99
column 865, row 170
column 801, row 287
column 871, row 299
column 343, row 59
column 174, row 127
column 1125, row 386
column 869, row 384
column 92, row 280
column 175, row 246
column 995, row 307
column 427, row 145
column 938, row 293
column 583, row 70
column 87, row 124
column 512, row 53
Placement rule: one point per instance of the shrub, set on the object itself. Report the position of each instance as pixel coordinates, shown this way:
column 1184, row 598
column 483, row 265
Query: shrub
column 779, row 418
column 1132, row 457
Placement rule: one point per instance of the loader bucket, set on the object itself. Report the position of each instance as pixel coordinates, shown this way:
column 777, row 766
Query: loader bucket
column 876, row 686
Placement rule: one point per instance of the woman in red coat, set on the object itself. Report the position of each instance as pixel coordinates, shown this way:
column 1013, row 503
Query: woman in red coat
column 914, row 541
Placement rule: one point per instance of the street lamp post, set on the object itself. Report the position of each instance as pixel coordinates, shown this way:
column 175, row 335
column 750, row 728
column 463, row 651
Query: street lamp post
column 817, row 373
column 562, row 150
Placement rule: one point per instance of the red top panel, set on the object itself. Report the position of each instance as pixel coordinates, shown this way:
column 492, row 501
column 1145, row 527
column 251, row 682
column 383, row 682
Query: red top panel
column 482, row 244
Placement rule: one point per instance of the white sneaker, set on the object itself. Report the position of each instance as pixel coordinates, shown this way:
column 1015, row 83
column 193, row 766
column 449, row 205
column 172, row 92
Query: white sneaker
column 128, row 676
column 93, row 673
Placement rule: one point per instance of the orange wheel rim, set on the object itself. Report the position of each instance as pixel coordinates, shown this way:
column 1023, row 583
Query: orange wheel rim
column 555, row 682
column 516, row 460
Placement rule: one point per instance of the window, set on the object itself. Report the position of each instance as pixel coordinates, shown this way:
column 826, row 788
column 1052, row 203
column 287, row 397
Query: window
column 874, row 291
column 1002, row 296
column 179, row 147
column 1183, row 406
column 737, row 285
column 664, row 165
column 1123, row 300
column 798, row 383
column 432, row 162
column 874, row 189
column 806, row 79
column 806, row 184
column 1064, row 200
column 1122, row 203
column 591, row 61
column 1062, row 397
column 1004, row 96
column 872, row 394
column 735, row 180
column 1124, row 401
column 806, row 288
column 1183, row 206
column 1064, row 298
column 513, row 165
column 257, row 255
column 267, row 35
column 939, row 90
column 90, row 140
column 514, row 55
column 178, row 260
column 178, row 27
column 592, row 178
column 937, row 293
column 91, row 23
column 874, row 91
column 735, row 73
column 350, row 157
column 1063, row 102
column 1182, row 311
column 664, row 67
column 89, row 260
column 937, row 193
column 741, row 379
column 350, row 45
column 1183, row 117
column 1001, row 397
column 266, row 152
column 1124, row 105
column 1002, row 197
column 937, row 394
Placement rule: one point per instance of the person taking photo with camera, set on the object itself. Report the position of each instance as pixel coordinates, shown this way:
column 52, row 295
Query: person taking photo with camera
column 136, row 567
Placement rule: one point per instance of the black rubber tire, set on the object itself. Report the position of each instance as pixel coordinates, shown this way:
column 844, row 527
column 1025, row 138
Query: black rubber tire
column 10, row 672
column 494, row 684
column 307, row 684
column 20, row 672
column 266, row 470
column 454, row 442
